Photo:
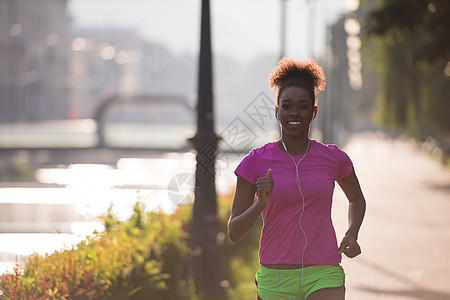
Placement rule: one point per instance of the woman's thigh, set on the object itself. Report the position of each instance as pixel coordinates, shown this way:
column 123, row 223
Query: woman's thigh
column 328, row 294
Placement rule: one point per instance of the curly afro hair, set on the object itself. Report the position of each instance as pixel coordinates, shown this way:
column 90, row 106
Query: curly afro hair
column 289, row 72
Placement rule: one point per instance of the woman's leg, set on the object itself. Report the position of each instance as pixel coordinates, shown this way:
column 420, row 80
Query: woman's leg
column 328, row 294
column 325, row 282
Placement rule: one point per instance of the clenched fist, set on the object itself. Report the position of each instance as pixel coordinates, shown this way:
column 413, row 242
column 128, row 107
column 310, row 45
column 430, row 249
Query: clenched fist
column 349, row 246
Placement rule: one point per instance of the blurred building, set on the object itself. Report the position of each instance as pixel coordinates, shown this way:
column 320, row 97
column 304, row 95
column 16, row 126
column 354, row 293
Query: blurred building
column 48, row 71
column 105, row 63
column 33, row 59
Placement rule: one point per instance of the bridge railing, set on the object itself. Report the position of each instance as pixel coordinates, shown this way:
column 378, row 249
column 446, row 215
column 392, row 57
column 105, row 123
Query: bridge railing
column 140, row 122
column 145, row 121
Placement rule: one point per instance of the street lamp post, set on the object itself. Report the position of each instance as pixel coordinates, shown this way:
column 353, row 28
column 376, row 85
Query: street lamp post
column 204, row 225
column 283, row 22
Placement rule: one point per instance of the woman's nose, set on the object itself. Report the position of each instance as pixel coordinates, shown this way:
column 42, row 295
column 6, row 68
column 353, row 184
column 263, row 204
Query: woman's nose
column 294, row 112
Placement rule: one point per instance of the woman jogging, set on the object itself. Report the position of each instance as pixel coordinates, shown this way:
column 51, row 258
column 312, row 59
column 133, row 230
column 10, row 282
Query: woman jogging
column 294, row 180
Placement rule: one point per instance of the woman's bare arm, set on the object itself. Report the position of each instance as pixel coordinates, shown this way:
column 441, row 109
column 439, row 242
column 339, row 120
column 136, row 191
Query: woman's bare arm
column 245, row 210
column 356, row 210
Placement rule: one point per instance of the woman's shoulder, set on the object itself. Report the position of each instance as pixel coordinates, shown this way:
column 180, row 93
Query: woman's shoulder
column 251, row 164
column 330, row 149
column 266, row 149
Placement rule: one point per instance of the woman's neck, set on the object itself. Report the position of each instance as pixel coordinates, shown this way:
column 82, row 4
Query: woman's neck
column 295, row 146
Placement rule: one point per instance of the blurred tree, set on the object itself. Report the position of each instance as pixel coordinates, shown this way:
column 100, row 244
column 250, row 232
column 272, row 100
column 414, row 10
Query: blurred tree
column 413, row 60
column 427, row 20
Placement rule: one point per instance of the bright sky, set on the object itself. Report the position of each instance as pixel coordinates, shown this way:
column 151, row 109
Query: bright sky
column 240, row 28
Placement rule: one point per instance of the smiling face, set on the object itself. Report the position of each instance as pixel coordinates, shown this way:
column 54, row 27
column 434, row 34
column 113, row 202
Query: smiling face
column 296, row 110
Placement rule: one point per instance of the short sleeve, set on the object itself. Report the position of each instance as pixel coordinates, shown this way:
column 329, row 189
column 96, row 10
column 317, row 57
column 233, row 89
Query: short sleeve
column 345, row 165
column 246, row 167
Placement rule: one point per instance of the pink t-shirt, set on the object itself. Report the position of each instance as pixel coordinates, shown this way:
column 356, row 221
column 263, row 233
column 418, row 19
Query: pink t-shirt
column 282, row 240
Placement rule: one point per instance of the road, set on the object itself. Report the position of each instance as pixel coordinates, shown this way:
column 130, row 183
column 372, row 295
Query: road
column 405, row 237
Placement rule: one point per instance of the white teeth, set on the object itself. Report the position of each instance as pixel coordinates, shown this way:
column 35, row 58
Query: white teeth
column 295, row 123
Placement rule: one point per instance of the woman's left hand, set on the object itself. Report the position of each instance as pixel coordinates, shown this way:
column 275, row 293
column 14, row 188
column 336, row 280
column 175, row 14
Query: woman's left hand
column 349, row 246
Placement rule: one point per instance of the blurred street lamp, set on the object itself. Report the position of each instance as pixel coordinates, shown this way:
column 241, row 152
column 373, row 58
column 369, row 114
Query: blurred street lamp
column 353, row 42
column 204, row 224
column 351, row 5
column 79, row 44
column 108, row 52
column 283, row 22
column 311, row 27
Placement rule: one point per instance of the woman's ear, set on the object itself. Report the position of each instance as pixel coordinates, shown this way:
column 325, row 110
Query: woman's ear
column 277, row 116
column 315, row 110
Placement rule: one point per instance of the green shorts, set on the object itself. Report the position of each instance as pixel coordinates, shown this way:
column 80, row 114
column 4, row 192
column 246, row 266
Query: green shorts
column 297, row 284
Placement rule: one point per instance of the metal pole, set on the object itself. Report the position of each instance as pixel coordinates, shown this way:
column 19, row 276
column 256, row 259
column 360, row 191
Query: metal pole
column 311, row 28
column 283, row 28
column 204, row 225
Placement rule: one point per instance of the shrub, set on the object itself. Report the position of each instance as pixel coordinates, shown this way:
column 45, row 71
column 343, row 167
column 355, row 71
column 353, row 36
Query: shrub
column 142, row 258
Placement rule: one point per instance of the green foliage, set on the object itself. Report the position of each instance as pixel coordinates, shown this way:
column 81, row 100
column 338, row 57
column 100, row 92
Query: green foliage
column 16, row 170
column 427, row 21
column 144, row 257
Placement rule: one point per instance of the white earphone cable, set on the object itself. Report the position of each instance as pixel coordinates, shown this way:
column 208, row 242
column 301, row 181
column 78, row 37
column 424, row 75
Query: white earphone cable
column 303, row 198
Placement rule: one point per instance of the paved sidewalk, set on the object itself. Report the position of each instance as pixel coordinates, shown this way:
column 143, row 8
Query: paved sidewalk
column 405, row 237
